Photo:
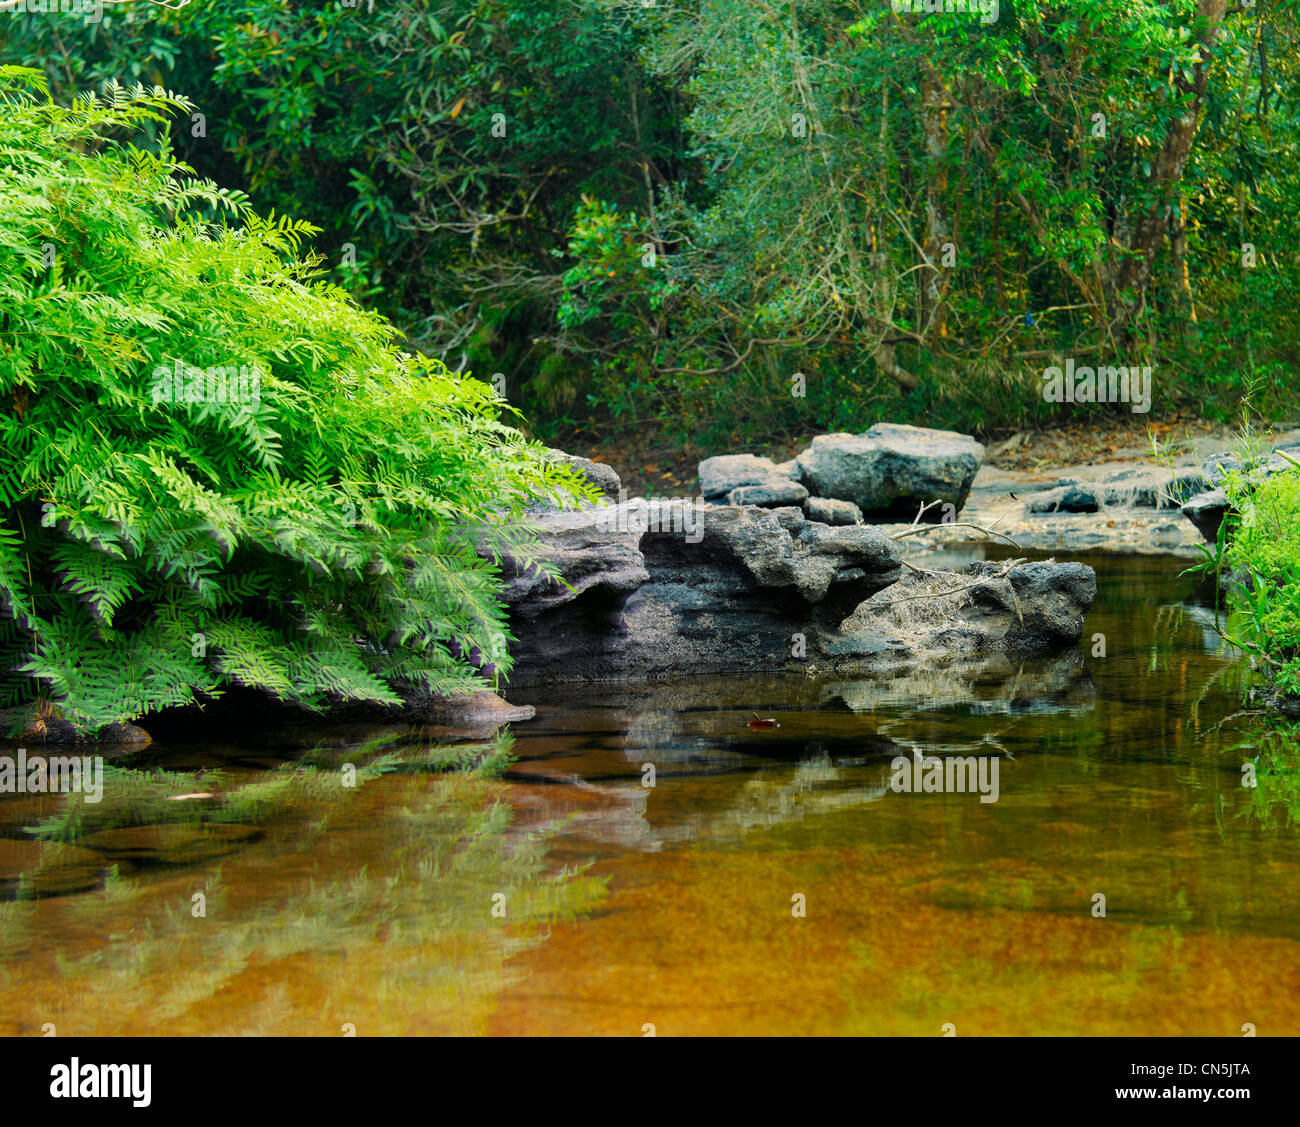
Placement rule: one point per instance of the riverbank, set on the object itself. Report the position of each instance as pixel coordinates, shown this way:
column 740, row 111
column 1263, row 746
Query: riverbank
column 1017, row 470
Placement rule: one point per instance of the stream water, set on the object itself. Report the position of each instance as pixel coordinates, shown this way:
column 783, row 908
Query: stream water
column 772, row 880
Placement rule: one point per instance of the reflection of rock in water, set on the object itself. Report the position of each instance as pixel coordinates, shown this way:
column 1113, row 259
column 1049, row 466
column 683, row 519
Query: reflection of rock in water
column 984, row 686
column 816, row 787
column 608, row 814
column 655, row 730
column 618, row 813
column 837, row 739
column 33, row 868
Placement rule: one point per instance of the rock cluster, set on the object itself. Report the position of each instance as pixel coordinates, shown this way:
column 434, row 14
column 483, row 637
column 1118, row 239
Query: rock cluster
column 1144, row 487
column 887, row 473
column 1207, row 508
column 660, row 589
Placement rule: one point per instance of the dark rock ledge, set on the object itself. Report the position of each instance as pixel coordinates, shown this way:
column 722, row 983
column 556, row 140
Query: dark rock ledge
column 661, row 589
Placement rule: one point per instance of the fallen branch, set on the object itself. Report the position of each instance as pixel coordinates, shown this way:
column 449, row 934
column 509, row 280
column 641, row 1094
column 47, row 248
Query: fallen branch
column 988, row 530
column 1006, row 570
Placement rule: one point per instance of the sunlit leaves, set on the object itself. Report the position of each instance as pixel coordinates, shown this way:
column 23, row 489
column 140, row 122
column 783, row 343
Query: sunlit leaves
column 217, row 469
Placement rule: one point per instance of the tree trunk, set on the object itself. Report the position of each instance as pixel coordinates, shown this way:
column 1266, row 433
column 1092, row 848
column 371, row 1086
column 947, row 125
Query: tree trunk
column 1166, row 176
column 1182, row 283
column 931, row 279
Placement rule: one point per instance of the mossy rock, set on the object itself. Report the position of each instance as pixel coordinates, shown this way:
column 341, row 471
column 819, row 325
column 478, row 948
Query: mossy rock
column 34, row 726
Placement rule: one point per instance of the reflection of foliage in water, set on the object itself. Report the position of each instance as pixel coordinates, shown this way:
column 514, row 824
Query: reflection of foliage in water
column 1172, row 625
column 1275, row 797
column 410, row 752
column 147, row 798
column 412, row 946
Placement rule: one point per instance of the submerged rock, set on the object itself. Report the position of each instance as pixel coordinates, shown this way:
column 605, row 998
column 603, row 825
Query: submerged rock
column 892, row 469
column 172, row 844
column 473, row 711
column 33, row 868
column 35, row 725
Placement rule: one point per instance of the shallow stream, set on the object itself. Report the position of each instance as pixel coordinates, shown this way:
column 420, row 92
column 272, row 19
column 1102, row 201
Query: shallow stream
column 770, row 881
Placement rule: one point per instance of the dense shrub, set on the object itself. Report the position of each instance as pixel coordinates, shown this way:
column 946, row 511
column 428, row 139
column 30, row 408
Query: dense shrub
column 855, row 213
column 1264, row 557
column 215, row 468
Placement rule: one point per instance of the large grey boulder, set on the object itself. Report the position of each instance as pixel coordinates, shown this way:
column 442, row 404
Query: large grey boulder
column 689, row 589
column 1219, row 466
column 1031, row 608
column 1151, row 488
column 1064, row 499
column 827, row 510
column 770, row 495
column 603, row 477
column 892, row 469
column 721, row 475
column 593, row 554
column 1206, row 512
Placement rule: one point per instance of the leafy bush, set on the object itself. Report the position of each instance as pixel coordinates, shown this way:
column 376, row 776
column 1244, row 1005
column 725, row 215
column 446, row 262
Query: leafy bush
column 915, row 215
column 1264, row 554
column 216, row 468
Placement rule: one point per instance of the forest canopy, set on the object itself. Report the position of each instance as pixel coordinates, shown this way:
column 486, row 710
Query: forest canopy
column 648, row 216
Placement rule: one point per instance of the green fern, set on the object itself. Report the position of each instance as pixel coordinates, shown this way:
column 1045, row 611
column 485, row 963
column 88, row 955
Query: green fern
column 216, row 469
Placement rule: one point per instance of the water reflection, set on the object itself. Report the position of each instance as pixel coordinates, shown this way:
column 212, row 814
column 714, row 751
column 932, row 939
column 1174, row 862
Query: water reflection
column 640, row 859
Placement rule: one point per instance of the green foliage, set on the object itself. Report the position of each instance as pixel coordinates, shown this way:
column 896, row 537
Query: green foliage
column 1264, row 557
column 844, row 155
column 445, row 142
column 216, row 468
column 479, row 166
column 1272, row 747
